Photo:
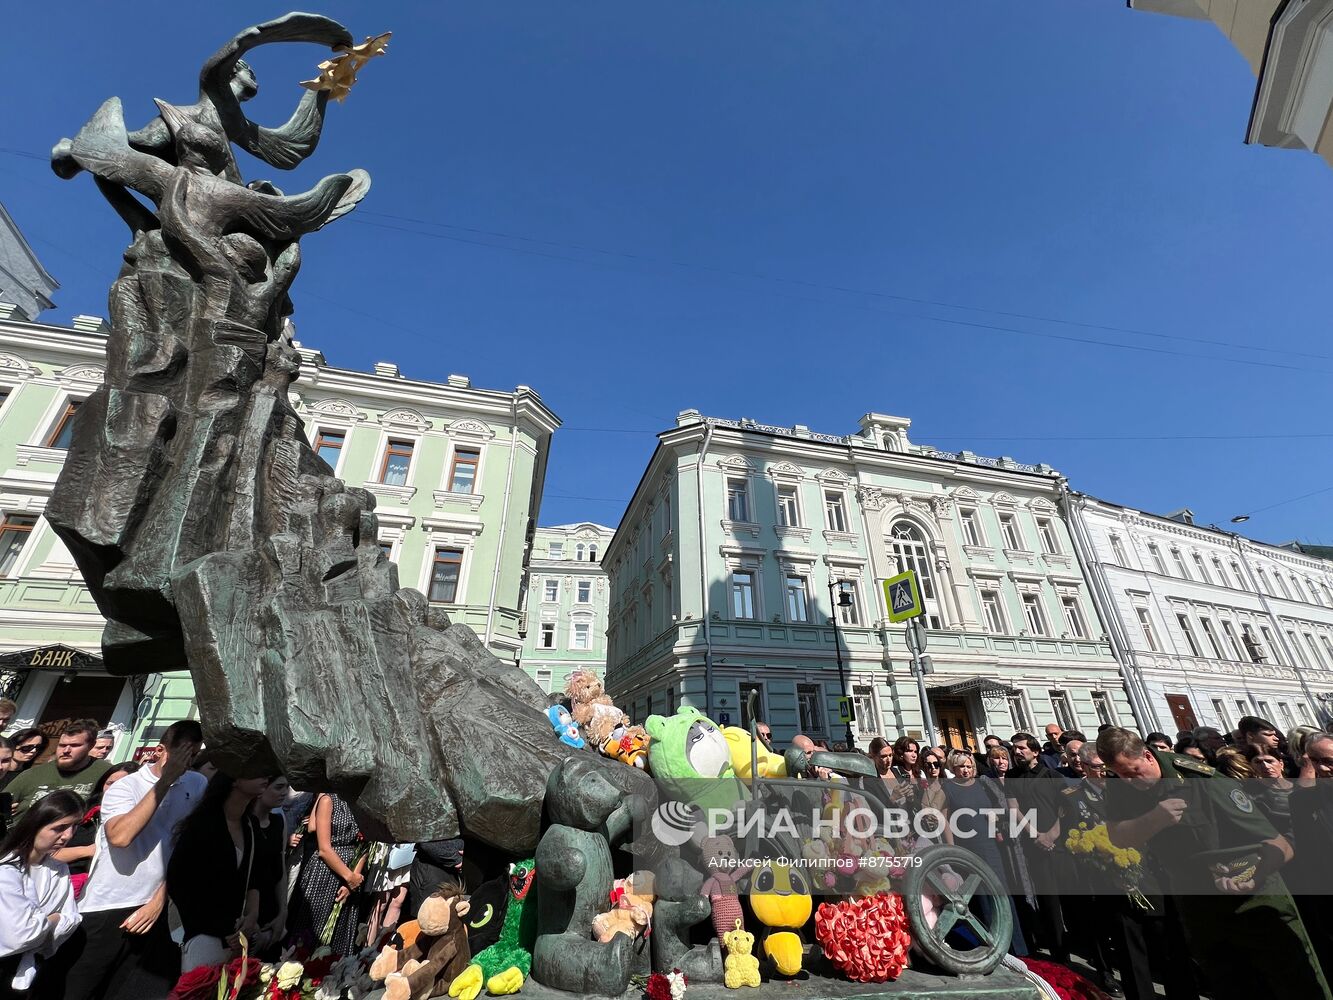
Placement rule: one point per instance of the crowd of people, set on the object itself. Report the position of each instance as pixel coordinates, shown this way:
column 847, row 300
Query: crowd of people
column 116, row 877
column 1232, row 832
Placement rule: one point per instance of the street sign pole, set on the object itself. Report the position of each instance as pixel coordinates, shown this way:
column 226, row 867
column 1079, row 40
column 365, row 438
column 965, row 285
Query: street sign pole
column 916, row 642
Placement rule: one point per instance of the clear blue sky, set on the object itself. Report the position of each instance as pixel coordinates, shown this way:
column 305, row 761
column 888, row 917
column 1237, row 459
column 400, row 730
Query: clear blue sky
column 637, row 208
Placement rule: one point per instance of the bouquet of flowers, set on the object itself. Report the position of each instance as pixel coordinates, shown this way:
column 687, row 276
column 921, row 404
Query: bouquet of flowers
column 321, row 976
column 1067, row 983
column 1122, row 866
column 666, row 986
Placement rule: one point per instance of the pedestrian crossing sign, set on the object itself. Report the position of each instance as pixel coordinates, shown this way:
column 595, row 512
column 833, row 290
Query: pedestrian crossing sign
column 902, row 596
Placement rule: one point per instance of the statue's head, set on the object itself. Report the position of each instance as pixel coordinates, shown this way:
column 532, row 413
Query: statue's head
column 243, row 82
column 196, row 145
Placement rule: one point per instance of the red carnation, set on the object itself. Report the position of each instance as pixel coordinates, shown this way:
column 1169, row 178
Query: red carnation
column 658, row 988
column 318, row 968
column 1067, row 983
column 866, row 937
column 200, row 983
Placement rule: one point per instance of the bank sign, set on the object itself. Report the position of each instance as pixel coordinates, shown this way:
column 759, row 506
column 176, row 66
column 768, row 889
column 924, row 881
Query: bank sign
column 59, row 657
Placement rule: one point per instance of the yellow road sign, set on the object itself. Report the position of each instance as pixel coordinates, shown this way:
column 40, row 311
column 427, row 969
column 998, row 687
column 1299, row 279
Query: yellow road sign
column 902, row 596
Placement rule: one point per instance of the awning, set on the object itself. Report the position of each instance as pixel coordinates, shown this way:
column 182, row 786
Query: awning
column 54, row 657
column 985, row 686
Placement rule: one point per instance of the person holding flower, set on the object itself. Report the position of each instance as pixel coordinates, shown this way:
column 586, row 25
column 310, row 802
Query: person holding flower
column 37, row 910
column 325, row 908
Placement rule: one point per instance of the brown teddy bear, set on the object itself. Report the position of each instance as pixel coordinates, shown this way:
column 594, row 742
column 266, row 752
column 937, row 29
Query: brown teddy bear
column 437, row 956
column 592, row 708
column 631, row 910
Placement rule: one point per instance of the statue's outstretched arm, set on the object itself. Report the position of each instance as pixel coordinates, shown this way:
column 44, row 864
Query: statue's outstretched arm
column 102, row 148
column 216, row 74
column 287, row 145
column 289, row 217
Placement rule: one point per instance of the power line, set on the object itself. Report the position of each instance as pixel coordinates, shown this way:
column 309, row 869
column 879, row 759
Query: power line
column 1283, row 503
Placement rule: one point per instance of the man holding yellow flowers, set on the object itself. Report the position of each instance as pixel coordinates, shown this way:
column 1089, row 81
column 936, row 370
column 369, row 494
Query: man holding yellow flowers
column 1221, row 859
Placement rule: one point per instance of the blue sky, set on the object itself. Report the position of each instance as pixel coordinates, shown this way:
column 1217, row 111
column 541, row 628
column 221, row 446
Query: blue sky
column 796, row 212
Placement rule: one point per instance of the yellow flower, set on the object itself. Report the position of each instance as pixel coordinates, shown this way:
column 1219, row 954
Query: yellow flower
column 1135, row 857
column 289, row 975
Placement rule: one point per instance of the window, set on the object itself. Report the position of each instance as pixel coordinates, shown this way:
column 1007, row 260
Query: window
column 1296, row 647
column 1239, row 576
column 1180, row 564
column 584, row 595
column 993, row 611
column 1265, row 711
column 670, row 701
column 851, row 614
column 1073, row 618
column 1046, row 532
column 798, row 599
column 1232, row 644
column 551, row 590
column 397, row 461
column 809, row 699
column 543, row 679
column 555, row 550
column 14, row 534
column 744, row 690
column 1211, row 635
column 444, row 575
column 582, row 635
column 548, row 635
column 1269, row 644
column 1145, row 623
column 1018, row 713
column 1221, row 573
column 1118, row 551
column 742, row 595
column 592, row 553
column 63, row 432
column 1220, row 711
column 387, row 549
column 1328, row 646
column 1298, row 590
column 1242, row 709
column 789, row 513
column 463, row 470
column 1032, row 612
column 1158, row 562
column 863, row 704
column 908, row 549
column 1282, row 585
column 1264, row 585
column 835, row 510
column 1187, row 630
column 1252, row 646
column 1104, row 707
column 580, row 552
column 971, row 529
column 1315, row 658
column 1203, row 570
column 1064, row 711
column 329, row 446
column 1284, row 709
column 738, row 500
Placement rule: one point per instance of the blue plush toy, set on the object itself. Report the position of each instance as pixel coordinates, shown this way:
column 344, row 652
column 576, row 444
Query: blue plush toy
column 565, row 727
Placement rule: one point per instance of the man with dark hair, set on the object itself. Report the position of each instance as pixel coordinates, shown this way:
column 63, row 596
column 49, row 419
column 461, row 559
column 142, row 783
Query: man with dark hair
column 123, row 947
column 74, row 769
column 1221, row 858
column 7, row 711
column 1037, row 789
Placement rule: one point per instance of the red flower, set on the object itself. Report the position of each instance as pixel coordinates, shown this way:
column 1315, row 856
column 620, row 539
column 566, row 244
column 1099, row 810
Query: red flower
column 318, row 968
column 658, row 988
column 1067, row 983
column 865, row 938
column 242, row 977
column 198, row 984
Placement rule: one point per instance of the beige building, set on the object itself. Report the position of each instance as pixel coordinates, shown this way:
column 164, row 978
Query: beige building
column 1289, row 46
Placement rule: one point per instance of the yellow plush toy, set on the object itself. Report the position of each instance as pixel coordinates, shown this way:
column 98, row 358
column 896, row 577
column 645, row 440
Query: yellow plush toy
column 629, row 746
column 780, row 899
column 739, row 742
column 742, row 968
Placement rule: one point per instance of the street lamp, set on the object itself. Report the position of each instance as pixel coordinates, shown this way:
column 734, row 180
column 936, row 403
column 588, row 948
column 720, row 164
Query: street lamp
column 1240, row 518
column 842, row 599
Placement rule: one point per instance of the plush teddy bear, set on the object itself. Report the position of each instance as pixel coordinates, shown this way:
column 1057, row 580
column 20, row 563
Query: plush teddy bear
column 722, row 873
column 592, row 708
column 629, row 745
column 631, row 910
column 565, row 727
column 742, row 967
column 439, row 953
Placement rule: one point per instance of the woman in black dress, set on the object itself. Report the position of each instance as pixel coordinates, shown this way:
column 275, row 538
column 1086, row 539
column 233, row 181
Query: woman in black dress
column 330, row 876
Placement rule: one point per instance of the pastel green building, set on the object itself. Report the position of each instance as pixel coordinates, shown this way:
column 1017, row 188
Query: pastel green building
column 457, row 472
column 566, row 600
column 726, row 568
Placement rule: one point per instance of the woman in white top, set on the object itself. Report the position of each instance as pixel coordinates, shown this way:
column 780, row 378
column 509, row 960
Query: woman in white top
column 37, row 910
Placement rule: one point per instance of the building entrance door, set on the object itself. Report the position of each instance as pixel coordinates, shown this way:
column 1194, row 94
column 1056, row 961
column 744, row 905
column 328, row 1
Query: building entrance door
column 81, row 697
column 954, row 723
column 1182, row 712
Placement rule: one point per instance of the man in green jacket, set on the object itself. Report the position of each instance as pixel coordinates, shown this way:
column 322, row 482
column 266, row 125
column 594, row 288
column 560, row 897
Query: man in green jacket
column 74, row 768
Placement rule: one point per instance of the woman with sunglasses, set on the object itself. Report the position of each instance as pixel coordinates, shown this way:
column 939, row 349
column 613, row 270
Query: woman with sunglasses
column 29, row 744
column 37, row 910
column 934, row 801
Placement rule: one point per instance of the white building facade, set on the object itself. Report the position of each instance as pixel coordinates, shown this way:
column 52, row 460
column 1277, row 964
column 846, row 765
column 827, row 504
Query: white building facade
column 725, row 572
column 1211, row 626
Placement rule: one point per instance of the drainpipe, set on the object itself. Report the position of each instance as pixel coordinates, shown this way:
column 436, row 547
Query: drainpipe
column 1316, row 706
column 504, row 516
column 1102, row 599
column 703, row 573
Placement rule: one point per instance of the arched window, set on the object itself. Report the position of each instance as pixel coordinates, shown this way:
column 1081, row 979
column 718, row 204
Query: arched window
column 592, row 553
column 580, row 552
column 907, row 546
